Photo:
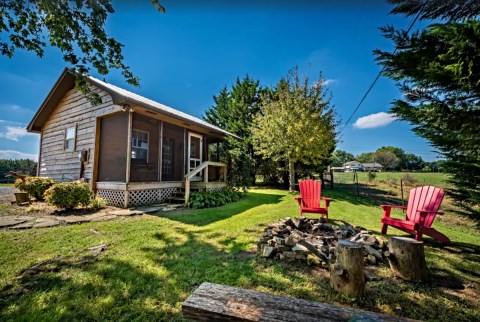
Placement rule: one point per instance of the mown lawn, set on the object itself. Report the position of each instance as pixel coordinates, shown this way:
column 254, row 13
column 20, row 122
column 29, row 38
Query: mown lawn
column 155, row 262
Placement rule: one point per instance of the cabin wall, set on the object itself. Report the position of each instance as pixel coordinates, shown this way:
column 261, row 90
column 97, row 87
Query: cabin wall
column 73, row 110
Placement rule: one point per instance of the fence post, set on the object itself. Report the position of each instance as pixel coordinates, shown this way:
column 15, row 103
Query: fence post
column 401, row 187
column 331, row 179
column 358, row 190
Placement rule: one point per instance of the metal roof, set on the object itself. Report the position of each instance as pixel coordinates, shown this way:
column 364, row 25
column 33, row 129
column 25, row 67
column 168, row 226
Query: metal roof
column 119, row 96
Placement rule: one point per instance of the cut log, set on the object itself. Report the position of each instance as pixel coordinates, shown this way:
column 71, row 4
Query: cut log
column 214, row 302
column 350, row 263
column 407, row 259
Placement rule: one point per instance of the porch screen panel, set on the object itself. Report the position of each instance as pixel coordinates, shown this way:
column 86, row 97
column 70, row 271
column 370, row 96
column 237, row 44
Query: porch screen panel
column 172, row 153
column 145, row 136
column 113, row 148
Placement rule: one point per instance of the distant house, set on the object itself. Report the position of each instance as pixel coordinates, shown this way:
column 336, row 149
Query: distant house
column 375, row 167
column 352, row 166
column 130, row 149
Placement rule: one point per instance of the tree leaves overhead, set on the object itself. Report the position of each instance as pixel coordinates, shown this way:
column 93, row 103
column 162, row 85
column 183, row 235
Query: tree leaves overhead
column 450, row 10
column 76, row 28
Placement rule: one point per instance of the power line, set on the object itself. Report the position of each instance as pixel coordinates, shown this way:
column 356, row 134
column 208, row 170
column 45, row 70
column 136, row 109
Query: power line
column 374, row 81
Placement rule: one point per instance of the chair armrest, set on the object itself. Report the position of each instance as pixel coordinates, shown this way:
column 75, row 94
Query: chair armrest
column 388, row 208
column 393, row 206
column 327, row 201
column 299, row 200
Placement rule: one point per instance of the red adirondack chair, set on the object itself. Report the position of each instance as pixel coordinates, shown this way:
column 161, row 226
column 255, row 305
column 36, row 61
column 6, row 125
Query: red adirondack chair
column 310, row 196
column 423, row 204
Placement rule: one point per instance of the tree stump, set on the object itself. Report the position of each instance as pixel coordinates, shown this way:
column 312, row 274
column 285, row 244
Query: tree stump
column 347, row 274
column 407, row 259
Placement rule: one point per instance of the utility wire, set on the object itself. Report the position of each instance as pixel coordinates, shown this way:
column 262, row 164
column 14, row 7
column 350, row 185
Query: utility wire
column 374, row 81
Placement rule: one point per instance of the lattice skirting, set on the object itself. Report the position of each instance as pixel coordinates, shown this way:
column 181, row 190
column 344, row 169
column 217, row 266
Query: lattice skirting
column 135, row 197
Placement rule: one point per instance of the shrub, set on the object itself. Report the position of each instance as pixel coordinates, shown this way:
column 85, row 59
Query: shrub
column 32, row 208
column 34, row 186
column 97, row 203
column 68, row 195
column 213, row 198
column 371, row 176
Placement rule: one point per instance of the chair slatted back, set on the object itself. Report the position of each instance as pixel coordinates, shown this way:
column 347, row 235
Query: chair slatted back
column 310, row 191
column 424, row 198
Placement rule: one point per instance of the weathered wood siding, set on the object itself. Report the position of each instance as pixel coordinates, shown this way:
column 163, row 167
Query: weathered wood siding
column 73, row 110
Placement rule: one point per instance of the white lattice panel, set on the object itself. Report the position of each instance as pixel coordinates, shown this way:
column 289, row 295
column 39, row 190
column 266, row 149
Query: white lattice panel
column 112, row 197
column 149, row 196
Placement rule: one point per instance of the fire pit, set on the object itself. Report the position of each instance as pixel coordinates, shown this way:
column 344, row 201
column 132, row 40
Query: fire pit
column 314, row 241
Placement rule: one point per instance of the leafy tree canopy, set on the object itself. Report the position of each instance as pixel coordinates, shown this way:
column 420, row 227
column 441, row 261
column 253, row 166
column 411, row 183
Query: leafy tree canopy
column 297, row 123
column 76, row 28
column 339, row 157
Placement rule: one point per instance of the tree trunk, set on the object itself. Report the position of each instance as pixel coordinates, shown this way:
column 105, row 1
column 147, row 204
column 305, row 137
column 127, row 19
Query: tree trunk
column 347, row 274
column 291, row 177
column 407, row 259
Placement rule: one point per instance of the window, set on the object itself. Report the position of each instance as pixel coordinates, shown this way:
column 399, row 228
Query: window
column 167, row 158
column 70, row 134
column 140, row 147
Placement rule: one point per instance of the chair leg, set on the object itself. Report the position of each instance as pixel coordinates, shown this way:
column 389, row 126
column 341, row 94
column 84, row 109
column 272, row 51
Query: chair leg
column 384, row 229
column 437, row 235
column 418, row 236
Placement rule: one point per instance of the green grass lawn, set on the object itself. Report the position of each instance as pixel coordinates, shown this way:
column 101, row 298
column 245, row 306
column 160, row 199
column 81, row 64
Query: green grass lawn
column 155, row 262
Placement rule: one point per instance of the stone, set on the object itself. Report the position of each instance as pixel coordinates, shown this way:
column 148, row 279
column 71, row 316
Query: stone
column 103, row 218
column 279, row 240
column 290, row 255
column 268, row 252
column 371, row 259
column 25, row 225
column 45, row 223
column 125, row 212
column 290, row 241
column 149, row 209
column 69, row 220
column 175, row 206
column 10, row 221
column 283, row 248
column 313, row 260
column 168, row 209
column 300, row 249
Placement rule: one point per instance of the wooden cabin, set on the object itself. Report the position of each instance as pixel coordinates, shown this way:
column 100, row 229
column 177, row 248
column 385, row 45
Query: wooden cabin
column 130, row 149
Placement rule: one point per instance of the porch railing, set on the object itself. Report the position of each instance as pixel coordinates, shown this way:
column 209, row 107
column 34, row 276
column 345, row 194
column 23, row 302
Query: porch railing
column 203, row 166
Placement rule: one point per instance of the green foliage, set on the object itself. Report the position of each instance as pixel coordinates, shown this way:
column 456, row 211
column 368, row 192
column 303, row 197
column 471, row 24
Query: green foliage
column 438, row 70
column 68, row 195
column 297, row 123
column 339, row 157
column 371, row 176
column 387, row 159
column 234, row 111
column 97, row 203
column 32, row 208
column 76, row 28
column 34, row 186
column 367, row 157
column 22, row 166
column 213, row 198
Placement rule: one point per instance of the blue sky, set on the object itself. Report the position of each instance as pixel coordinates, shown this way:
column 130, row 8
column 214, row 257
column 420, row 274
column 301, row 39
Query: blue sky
column 187, row 55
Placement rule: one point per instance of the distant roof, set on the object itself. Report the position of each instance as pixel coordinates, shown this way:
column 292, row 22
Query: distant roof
column 373, row 165
column 120, row 96
column 351, row 162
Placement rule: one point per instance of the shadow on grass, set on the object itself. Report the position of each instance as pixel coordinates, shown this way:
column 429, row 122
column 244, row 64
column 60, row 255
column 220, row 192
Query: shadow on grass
column 367, row 195
column 203, row 217
column 155, row 278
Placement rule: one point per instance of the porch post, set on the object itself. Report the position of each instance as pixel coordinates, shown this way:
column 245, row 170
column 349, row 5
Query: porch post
column 129, row 152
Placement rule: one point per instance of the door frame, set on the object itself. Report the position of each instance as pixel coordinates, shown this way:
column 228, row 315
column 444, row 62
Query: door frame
column 199, row 136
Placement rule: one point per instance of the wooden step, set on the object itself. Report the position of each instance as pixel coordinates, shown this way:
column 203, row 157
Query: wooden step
column 176, row 200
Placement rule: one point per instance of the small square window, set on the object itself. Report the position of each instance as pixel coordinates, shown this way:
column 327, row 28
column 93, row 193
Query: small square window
column 139, row 147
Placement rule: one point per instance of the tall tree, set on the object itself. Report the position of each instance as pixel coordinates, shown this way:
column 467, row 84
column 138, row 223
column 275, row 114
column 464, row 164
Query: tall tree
column 234, row 111
column 297, row 123
column 76, row 28
column 438, row 69
column 367, row 157
column 387, row 159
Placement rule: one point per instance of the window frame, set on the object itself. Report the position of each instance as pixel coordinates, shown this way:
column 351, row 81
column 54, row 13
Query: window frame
column 74, row 138
column 139, row 147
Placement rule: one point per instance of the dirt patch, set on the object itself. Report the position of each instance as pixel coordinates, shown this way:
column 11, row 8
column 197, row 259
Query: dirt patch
column 6, row 194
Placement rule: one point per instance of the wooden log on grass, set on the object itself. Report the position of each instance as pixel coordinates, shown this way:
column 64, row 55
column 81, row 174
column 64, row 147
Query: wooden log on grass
column 347, row 274
column 214, row 302
column 407, row 259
